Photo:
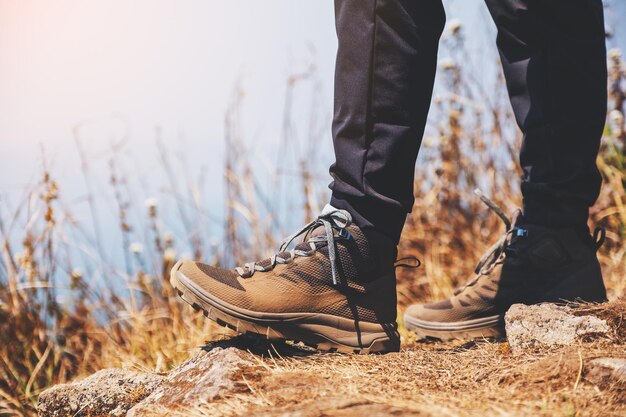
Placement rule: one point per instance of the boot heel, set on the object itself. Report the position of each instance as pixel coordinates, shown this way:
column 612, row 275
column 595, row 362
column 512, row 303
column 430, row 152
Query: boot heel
column 586, row 285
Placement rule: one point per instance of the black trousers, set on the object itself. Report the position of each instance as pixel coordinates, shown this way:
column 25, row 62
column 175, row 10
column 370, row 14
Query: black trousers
column 554, row 59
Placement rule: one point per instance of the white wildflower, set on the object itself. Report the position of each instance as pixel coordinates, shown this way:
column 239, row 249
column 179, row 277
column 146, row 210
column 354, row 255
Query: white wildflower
column 429, row 142
column 151, row 202
column 454, row 26
column 616, row 117
column 447, row 64
column 169, row 254
column 136, row 247
column 168, row 238
column 21, row 257
column 615, row 53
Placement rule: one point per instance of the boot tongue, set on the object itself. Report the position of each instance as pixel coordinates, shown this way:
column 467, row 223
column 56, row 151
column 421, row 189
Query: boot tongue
column 318, row 231
column 303, row 245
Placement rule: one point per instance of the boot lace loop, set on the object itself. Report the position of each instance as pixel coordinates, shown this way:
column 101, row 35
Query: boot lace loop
column 490, row 259
column 330, row 219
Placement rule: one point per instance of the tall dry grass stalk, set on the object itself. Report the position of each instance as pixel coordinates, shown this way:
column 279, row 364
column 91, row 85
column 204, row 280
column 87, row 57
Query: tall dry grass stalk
column 58, row 322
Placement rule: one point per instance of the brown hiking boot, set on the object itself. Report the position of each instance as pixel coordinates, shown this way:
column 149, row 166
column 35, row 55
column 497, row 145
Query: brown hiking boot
column 335, row 291
column 530, row 264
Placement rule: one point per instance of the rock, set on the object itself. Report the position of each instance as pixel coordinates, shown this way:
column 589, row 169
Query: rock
column 109, row 392
column 204, row 377
column 546, row 325
column 607, row 372
column 207, row 375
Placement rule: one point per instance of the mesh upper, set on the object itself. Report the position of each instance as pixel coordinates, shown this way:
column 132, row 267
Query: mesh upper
column 225, row 276
column 306, row 285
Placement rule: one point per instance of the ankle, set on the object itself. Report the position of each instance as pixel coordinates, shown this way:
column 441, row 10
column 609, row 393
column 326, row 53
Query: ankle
column 382, row 249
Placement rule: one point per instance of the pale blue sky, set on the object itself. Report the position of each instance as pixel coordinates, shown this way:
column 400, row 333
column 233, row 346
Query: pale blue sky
column 149, row 63
column 160, row 62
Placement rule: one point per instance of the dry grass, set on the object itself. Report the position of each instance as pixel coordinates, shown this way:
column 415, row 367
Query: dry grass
column 58, row 322
column 480, row 380
column 426, row 379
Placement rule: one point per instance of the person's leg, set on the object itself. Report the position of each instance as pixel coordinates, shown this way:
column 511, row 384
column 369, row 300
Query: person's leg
column 553, row 55
column 554, row 59
column 336, row 289
column 385, row 71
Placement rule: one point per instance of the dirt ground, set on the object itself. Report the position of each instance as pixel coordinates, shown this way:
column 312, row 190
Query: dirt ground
column 428, row 379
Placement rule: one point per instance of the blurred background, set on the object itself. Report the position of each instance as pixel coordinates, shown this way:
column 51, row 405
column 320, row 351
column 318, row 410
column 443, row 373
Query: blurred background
column 136, row 132
column 112, row 80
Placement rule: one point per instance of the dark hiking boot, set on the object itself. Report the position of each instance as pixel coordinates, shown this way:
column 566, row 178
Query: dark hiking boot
column 335, row 290
column 530, row 264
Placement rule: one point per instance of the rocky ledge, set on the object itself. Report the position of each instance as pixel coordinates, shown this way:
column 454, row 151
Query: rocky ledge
column 207, row 375
column 224, row 370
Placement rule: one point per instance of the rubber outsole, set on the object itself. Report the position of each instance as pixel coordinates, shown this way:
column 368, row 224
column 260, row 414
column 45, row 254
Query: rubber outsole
column 310, row 329
column 491, row 327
